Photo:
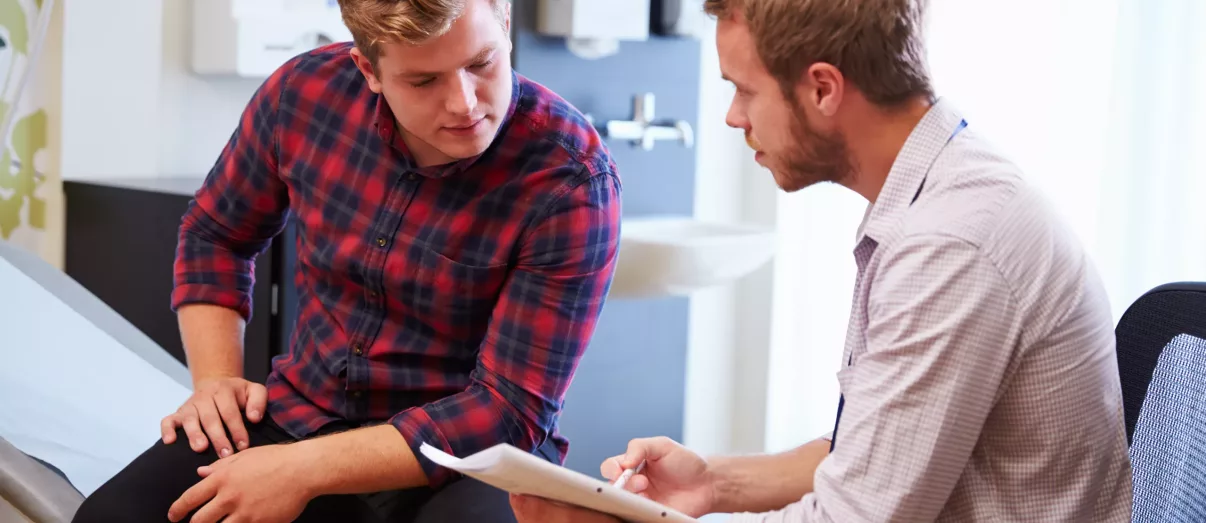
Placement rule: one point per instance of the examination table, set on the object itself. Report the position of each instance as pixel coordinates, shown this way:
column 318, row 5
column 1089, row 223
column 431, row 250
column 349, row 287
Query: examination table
column 81, row 390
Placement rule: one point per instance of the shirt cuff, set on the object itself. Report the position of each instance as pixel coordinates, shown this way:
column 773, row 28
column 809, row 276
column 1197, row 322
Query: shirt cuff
column 188, row 293
column 418, row 428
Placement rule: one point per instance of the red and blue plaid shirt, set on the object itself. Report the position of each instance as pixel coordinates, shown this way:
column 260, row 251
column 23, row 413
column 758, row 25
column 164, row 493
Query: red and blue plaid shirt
column 453, row 301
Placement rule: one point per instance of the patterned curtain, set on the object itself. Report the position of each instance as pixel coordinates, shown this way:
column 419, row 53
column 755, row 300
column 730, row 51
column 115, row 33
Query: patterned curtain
column 30, row 73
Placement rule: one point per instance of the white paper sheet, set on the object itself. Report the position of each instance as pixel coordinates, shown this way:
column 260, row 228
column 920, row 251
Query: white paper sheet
column 70, row 394
column 518, row 472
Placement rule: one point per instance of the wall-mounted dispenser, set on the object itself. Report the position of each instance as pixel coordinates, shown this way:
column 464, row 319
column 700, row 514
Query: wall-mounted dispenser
column 644, row 128
column 594, row 28
column 678, row 17
column 254, row 37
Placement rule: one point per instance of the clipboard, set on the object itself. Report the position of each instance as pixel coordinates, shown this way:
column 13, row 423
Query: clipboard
column 518, row 472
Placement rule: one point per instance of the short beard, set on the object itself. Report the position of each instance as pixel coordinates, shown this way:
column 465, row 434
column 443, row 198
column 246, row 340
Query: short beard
column 819, row 157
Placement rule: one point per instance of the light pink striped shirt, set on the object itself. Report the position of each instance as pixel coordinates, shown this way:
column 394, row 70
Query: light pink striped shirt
column 983, row 383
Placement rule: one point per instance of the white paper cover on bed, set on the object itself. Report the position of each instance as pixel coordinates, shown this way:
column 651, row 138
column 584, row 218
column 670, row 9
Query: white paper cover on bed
column 70, row 393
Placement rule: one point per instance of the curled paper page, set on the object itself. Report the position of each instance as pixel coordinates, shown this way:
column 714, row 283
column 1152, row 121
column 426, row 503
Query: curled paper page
column 518, row 472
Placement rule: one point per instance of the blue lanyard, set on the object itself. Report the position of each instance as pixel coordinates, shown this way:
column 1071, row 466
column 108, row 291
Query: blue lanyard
column 962, row 126
column 850, row 359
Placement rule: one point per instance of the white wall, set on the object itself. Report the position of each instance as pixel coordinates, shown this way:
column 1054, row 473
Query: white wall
column 197, row 114
column 111, row 86
column 729, row 338
column 131, row 107
column 712, row 323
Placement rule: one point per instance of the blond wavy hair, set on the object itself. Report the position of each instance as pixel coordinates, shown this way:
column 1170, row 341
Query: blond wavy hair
column 876, row 44
column 374, row 22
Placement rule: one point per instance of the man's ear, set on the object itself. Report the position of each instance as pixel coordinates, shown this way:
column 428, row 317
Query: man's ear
column 507, row 19
column 823, row 86
column 366, row 68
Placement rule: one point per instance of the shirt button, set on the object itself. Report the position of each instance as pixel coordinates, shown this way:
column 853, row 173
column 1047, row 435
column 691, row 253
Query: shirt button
column 356, row 394
column 372, row 294
column 357, row 349
column 381, row 242
column 411, row 176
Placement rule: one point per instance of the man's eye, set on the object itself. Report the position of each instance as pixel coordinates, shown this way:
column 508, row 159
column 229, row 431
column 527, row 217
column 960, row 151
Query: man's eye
column 483, row 64
column 424, row 83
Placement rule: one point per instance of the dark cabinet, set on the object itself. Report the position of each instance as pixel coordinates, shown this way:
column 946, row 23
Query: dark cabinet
column 121, row 243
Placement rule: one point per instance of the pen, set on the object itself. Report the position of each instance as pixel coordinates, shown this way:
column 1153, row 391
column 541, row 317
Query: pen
column 627, row 475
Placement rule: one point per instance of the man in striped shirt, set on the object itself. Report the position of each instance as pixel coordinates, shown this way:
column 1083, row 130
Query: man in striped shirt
column 979, row 380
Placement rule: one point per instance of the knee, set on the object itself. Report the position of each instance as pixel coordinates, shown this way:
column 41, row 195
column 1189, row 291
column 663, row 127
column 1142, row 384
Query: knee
column 467, row 500
column 146, row 488
column 124, row 498
column 111, row 506
column 103, row 506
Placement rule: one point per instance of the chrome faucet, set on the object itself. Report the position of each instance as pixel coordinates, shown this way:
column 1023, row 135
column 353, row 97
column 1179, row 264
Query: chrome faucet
column 643, row 129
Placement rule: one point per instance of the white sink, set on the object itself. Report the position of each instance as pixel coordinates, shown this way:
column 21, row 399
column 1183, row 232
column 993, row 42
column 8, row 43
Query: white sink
column 675, row 256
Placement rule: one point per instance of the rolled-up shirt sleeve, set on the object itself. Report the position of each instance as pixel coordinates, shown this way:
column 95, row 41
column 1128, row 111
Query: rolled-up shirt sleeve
column 239, row 208
column 539, row 329
column 941, row 333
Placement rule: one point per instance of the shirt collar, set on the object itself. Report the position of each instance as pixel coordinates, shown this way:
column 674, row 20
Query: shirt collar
column 909, row 171
column 387, row 129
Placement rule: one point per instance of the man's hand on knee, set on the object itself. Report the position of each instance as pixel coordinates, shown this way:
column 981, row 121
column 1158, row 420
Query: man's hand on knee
column 217, row 406
column 269, row 483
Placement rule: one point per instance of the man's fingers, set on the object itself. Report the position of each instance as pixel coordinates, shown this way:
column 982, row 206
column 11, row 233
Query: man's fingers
column 615, row 465
column 211, row 421
column 208, row 470
column 192, row 498
column 167, row 427
column 212, row 512
column 641, row 449
column 611, row 468
column 530, row 509
column 646, row 449
column 192, row 428
column 257, row 401
column 518, row 501
column 228, row 409
column 519, row 506
column 637, row 484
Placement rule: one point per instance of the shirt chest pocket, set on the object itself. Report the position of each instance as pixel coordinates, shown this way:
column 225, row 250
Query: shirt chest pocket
column 454, row 298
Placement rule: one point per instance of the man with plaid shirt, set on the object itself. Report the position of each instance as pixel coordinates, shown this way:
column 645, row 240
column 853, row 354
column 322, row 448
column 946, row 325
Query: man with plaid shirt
column 457, row 230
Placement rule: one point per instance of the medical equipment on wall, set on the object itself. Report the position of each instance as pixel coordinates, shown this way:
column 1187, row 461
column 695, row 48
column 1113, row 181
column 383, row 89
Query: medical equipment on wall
column 252, row 38
column 593, row 29
column 677, row 17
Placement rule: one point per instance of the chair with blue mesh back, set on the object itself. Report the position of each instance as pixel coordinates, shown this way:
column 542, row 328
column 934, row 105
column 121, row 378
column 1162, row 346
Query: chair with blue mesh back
column 1162, row 363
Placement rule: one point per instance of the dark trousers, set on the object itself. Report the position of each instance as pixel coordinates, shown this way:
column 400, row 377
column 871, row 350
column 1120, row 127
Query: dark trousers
column 143, row 491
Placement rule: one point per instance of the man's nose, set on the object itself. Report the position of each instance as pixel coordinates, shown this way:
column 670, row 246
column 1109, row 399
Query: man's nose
column 462, row 98
column 733, row 118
